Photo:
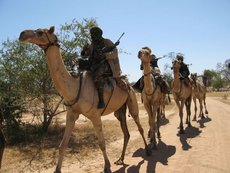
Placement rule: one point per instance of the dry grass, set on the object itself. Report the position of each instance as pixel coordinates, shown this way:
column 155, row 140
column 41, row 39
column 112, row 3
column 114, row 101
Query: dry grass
column 221, row 96
column 42, row 155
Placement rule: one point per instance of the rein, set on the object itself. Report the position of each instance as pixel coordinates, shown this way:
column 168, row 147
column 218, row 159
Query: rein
column 146, row 74
column 71, row 103
column 46, row 47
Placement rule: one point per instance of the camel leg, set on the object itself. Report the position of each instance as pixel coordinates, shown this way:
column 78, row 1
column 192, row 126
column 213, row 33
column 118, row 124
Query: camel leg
column 180, row 108
column 158, row 123
column 195, row 109
column 151, row 132
column 188, row 110
column 141, row 130
column 206, row 111
column 70, row 122
column 121, row 116
column 201, row 109
column 162, row 110
column 97, row 123
column 152, row 124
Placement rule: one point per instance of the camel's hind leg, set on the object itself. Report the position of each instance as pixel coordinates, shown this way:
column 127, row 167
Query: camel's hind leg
column 121, row 116
column 180, row 108
column 70, row 122
column 137, row 121
column 201, row 109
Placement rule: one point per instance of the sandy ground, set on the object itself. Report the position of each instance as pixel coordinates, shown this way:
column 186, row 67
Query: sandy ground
column 203, row 148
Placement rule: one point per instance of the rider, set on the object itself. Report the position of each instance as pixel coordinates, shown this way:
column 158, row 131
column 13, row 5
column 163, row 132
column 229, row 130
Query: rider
column 156, row 74
column 184, row 71
column 103, row 61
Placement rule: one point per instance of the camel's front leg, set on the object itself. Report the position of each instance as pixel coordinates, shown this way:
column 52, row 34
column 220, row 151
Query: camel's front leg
column 70, row 121
column 195, row 109
column 152, row 125
column 101, row 141
column 158, row 123
column 181, row 106
column 188, row 110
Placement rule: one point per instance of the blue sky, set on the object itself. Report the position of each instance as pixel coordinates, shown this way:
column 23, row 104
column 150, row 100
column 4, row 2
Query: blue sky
column 200, row 29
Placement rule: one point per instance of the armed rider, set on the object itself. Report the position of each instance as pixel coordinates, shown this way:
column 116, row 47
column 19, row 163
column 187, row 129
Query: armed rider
column 102, row 61
column 160, row 80
column 184, row 70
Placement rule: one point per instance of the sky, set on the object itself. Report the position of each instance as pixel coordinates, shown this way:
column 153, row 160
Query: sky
column 200, row 29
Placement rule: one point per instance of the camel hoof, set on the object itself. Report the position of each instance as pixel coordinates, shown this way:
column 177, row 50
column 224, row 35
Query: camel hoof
column 154, row 147
column 57, row 171
column 206, row 112
column 194, row 119
column 181, row 131
column 119, row 162
column 107, row 170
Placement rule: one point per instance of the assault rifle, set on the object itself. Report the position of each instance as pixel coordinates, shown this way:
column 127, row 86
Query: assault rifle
column 110, row 49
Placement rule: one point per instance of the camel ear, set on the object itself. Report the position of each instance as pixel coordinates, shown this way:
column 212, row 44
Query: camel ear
column 51, row 30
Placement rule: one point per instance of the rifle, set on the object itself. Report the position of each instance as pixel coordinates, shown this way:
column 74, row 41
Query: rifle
column 110, row 49
column 156, row 59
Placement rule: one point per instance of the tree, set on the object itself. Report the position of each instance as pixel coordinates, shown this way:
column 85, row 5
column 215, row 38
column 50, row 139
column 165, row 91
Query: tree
column 224, row 69
column 25, row 81
column 218, row 82
column 208, row 76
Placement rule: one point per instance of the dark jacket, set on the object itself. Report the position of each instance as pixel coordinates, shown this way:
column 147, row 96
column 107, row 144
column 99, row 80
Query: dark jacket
column 184, row 71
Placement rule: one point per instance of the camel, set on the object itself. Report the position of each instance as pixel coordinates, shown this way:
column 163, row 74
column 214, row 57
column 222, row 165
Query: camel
column 182, row 94
column 162, row 105
column 198, row 92
column 151, row 95
column 80, row 97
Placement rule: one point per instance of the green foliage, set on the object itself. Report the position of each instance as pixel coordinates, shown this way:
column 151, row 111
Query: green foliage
column 218, row 82
column 72, row 37
column 25, row 82
column 224, row 69
column 208, row 77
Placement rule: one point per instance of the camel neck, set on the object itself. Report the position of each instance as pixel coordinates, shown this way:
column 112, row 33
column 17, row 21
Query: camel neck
column 176, row 83
column 64, row 83
column 148, row 85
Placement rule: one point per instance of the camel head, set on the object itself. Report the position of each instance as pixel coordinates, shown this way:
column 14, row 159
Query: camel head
column 176, row 65
column 194, row 78
column 41, row 37
column 145, row 55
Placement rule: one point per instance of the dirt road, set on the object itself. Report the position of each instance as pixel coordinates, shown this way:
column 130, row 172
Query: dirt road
column 204, row 147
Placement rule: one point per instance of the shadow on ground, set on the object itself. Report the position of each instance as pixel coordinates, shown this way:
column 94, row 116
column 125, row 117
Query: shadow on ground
column 190, row 132
column 160, row 155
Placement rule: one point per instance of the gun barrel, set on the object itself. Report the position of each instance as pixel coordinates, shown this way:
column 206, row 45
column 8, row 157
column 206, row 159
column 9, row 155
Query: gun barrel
column 120, row 36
